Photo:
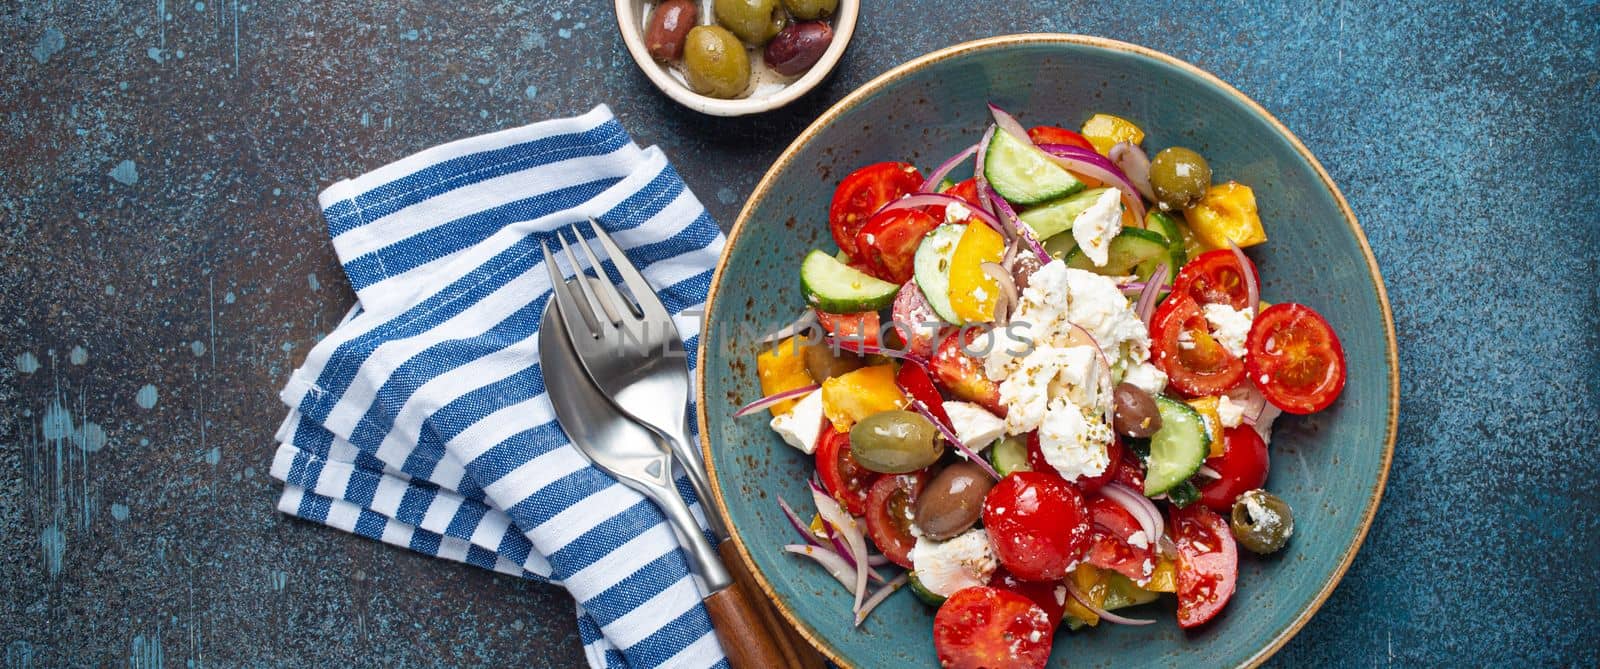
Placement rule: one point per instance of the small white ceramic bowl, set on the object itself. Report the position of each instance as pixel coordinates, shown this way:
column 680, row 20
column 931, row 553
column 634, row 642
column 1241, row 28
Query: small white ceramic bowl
column 770, row 89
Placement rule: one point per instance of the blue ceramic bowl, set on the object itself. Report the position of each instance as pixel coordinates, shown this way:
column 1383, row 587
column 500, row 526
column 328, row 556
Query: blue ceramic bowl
column 1330, row 467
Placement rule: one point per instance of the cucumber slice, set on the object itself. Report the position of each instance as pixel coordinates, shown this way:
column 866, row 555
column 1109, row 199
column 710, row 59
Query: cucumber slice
column 1022, row 174
column 1056, row 217
column 922, row 592
column 837, row 288
column 1009, row 455
column 931, row 268
column 1177, row 449
column 1131, row 249
column 1164, row 223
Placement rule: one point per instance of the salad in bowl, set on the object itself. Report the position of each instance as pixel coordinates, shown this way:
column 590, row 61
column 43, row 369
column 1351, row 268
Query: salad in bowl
column 1041, row 394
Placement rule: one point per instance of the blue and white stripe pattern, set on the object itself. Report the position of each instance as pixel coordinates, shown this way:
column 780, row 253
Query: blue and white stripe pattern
column 422, row 420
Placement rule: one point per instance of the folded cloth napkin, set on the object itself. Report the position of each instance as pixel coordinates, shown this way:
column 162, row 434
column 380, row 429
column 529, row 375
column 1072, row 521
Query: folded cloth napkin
column 422, row 420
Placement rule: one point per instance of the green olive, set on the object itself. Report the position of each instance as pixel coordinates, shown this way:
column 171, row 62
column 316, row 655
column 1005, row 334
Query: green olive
column 808, row 10
column 754, row 21
column 715, row 62
column 895, row 442
column 1261, row 521
column 825, row 362
column 1179, row 177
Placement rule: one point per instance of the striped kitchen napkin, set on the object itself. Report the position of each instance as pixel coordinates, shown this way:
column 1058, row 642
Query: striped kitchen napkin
column 422, row 420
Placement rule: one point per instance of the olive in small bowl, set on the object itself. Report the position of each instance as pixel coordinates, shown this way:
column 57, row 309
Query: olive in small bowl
column 811, row 10
column 798, row 47
column 715, row 63
column 668, row 27
column 754, row 21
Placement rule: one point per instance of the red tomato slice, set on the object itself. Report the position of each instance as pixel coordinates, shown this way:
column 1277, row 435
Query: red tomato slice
column 1047, row 134
column 861, row 328
column 1182, row 346
column 1208, row 564
column 891, row 502
column 1243, row 466
column 989, row 628
column 860, row 196
column 913, row 378
column 1113, row 525
column 1038, row 524
column 1042, row 593
column 888, row 242
column 962, row 374
column 918, row 325
column 844, row 478
column 1130, row 472
column 966, row 190
column 1213, row 277
column 1295, row 358
column 1036, row 462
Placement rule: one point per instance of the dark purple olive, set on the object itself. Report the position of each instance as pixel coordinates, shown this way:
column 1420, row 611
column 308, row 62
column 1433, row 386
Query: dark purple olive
column 798, row 47
column 669, row 24
column 1134, row 412
column 952, row 502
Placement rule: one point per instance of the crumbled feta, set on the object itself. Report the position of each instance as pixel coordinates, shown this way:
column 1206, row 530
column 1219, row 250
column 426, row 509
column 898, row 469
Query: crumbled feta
column 955, row 212
column 801, row 426
column 1230, row 326
column 1074, row 440
column 976, row 427
column 1146, row 377
column 1097, row 225
column 946, row 567
column 1263, row 517
column 1046, row 372
column 1231, row 413
column 1139, row 540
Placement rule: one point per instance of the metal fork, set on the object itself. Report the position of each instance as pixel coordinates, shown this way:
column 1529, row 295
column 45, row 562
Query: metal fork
column 632, row 351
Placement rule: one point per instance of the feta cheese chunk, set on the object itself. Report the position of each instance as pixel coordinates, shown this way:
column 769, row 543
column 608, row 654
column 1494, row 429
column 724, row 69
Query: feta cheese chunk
column 803, row 424
column 955, row 212
column 1229, row 412
column 1074, row 440
column 1230, row 326
column 946, row 567
column 976, row 427
column 1047, row 372
column 1097, row 225
column 1146, row 377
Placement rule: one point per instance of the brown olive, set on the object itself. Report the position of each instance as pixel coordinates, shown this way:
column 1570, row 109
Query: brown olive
column 952, row 502
column 825, row 362
column 668, row 26
column 1179, row 177
column 895, row 442
column 798, row 47
column 1261, row 521
column 1134, row 412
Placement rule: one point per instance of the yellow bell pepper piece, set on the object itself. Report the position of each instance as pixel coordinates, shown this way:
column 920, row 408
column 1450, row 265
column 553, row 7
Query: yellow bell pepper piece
column 1207, row 408
column 848, row 398
column 1164, row 578
column 782, row 367
column 1088, row 580
column 973, row 294
column 1227, row 211
column 1105, row 130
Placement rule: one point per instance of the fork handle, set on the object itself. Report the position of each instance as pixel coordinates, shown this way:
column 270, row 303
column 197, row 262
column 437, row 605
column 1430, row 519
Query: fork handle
column 745, row 638
column 797, row 652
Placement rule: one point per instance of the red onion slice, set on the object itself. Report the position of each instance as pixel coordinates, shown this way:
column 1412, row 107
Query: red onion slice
column 878, row 597
column 1008, row 290
column 944, row 169
column 829, row 560
column 1020, row 230
column 977, row 170
column 1247, row 268
column 1207, row 472
column 1005, row 121
column 799, row 325
column 1072, row 587
column 800, row 527
column 955, row 440
column 1146, row 305
column 1097, row 167
column 846, row 525
column 1135, row 164
column 1144, row 511
column 876, row 560
column 942, row 200
column 844, row 552
column 774, row 399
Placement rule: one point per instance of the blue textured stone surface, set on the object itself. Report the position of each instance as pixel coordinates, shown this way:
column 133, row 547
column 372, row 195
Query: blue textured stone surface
column 165, row 267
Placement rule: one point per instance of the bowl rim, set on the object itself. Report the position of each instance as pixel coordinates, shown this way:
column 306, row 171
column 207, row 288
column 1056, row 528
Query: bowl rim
column 844, row 28
column 1001, row 41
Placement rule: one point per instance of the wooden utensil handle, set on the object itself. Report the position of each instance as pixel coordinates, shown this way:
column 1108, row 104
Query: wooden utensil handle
column 745, row 638
column 797, row 652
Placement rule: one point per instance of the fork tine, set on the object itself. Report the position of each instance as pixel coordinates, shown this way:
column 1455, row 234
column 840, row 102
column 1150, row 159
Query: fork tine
column 591, row 300
column 612, row 294
column 565, row 304
column 649, row 302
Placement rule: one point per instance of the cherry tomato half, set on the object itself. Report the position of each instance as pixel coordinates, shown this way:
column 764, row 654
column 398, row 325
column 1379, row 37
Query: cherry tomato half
column 914, row 379
column 844, row 478
column 1038, row 524
column 1214, row 277
column 918, row 325
column 962, row 374
column 989, row 628
column 860, row 196
column 1110, row 548
column 1042, row 593
column 1047, row 134
column 891, row 501
column 1130, row 472
column 1243, row 466
column 1295, row 358
column 852, row 329
column 1182, row 346
column 1208, row 564
column 888, row 242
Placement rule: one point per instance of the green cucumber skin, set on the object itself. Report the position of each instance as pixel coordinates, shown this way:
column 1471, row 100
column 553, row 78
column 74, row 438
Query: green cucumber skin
column 1131, row 249
column 931, row 270
column 1164, row 223
column 1056, row 217
column 1009, row 455
column 1176, row 450
column 1024, row 175
column 826, row 284
column 923, row 593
